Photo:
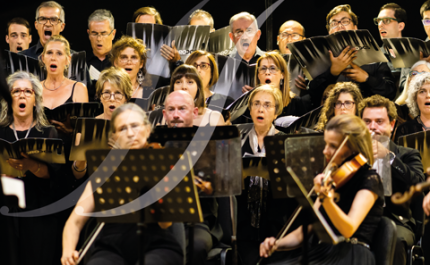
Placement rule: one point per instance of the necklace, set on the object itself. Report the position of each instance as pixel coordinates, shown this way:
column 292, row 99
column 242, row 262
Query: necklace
column 422, row 124
column 54, row 88
column 16, row 135
column 135, row 89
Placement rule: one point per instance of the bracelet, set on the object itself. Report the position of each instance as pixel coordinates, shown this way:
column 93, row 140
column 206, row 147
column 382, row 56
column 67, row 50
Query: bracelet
column 38, row 168
column 77, row 170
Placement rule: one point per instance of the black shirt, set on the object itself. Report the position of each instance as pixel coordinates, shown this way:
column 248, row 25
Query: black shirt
column 34, row 51
column 97, row 63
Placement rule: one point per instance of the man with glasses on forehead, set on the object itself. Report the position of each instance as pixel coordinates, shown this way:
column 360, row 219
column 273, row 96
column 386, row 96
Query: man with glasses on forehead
column 245, row 35
column 101, row 32
column 50, row 20
column 373, row 78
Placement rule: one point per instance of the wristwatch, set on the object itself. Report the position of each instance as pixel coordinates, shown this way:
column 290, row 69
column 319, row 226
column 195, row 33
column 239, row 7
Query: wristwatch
column 391, row 157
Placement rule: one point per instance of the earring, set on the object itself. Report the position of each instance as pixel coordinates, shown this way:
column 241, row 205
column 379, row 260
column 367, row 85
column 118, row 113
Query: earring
column 281, row 83
column 140, row 77
column 277, row 43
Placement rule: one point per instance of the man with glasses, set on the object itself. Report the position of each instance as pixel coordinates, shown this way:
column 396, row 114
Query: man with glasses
column 101, row 32
column 245, row 35
column 391, row 21
column 380, row 115
column 425, row 14
column 373, row 78
column 50, row 20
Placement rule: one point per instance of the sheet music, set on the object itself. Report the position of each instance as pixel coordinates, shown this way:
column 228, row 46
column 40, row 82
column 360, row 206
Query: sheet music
column 14, row 187
column 94, row 73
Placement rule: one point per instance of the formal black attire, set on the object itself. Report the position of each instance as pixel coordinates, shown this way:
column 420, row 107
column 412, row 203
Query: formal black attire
column 406, row 170
column 380, row 82
column 258, row 53
column 35, row 240
column 296, row 107
column 409, row 127
column 97, row 63
column 347, row 253
column 117, row 244
column 34, row 51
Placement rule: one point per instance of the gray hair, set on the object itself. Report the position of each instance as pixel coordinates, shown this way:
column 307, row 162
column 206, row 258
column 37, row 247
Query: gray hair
column 102, row 15
column 131, row 107
column 414, row 87
column 245, row 15
column 54, row 5
column 6, row 116
column 202, row 14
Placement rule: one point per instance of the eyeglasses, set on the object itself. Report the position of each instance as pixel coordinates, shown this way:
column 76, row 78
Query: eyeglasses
column 27, row 92
column 414, row 73
column 116, row 96
column 44, row 20
column 344, row 21
column 248, row 32
column 426, row 22
column 347, row 104
column 385, row 20
column 257, row 104
column 125, row 59
column 103, row 35
column 293, row 36
column 272, row 69
column 203, row 66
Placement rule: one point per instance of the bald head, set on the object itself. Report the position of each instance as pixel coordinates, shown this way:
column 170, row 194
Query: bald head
column 179, row 109
column 291, row 31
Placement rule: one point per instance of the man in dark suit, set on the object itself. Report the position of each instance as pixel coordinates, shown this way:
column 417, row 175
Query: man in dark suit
column 380, row 114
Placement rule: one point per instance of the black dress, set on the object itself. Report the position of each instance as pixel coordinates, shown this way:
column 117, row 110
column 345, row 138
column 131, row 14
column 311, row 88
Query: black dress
column 35, row 239
column 296, row 108
column 346, row 253
column 408, row 127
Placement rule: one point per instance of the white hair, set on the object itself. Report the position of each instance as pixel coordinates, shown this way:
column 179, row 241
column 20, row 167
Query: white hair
column 416, row 84
column 54, row 5
column 102, row 15
column 244, row 15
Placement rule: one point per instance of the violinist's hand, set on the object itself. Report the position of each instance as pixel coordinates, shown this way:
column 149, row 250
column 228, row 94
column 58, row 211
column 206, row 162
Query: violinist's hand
column 379, row 151
column 64, row 127
column 69, row 257
column 246, row 88
column 268, row 247
column 326, row 189
column 422, row 58
column 170, row 54
column 204, row 186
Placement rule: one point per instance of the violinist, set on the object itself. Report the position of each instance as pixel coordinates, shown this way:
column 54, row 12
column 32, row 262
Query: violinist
column 117, row 243
column 179, row 112
column 358, row 210
column 380, row 114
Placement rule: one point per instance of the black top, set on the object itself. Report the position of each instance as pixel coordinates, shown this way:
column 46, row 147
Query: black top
column 34, row 51
column 408, row 127
column 364, row 179
column 379, row 82
column 70, row 99
column 97, row 63
column 294, row 108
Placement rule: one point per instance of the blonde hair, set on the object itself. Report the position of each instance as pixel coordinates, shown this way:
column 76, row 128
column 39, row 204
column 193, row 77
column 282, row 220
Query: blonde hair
column 279, row 61
column 117, row 77
column 147, row 10
column 56, row 38
column 359, row 137
column 270, row 90
column 327, row 111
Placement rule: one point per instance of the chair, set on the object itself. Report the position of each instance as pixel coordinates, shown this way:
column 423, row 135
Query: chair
column 384, row 242
column 222, row 252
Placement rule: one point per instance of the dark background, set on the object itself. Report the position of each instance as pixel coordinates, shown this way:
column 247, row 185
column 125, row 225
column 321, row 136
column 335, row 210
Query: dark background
column 310, row 13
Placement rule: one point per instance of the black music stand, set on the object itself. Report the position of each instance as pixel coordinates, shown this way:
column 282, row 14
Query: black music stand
column 143, row 186
column 92, row 134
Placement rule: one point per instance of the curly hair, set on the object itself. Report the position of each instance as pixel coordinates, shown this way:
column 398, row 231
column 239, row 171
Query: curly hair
column 414, row 87
column 6, row 116
column 279, row 61
column 56, row 38
column 327, row 111
column 377, row 101
column 359, row 140
column 117, row 77
column 126, row 42
column 214, row 67
column 189, row 72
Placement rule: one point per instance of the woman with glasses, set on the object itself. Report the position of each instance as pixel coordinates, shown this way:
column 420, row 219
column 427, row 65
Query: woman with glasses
column 272, row 69
column 130, row 54
column 258, row 214
column 416, row 69
column 34, row 238
column 57, row 88
column 118, row 243
column 342, row 99
column 418, row 102
column 207, row 68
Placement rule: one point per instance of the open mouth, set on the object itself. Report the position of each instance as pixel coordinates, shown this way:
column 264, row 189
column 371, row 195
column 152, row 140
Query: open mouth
column 112, row 107
column 259, row 118
column 268, row 81
column 48, row 34
column 99, row 46
column 245, row 45
column 383, row 32
column 19, row 48
column 53, row 67
column 427, row 103
column 128, row 69
column 22, row 106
